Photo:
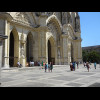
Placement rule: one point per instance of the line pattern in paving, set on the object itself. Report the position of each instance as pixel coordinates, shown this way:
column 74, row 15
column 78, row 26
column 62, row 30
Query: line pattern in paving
column 60, row 77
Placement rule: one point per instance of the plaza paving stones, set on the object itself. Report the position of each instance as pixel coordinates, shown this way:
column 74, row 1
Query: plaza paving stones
column 95, row 85
column 60, row 77
column 74, row 84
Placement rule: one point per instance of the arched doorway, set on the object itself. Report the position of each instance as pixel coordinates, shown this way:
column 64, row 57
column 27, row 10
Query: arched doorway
column 72, row 60
column 29, row 48
column 51, row 51
column 13, row 48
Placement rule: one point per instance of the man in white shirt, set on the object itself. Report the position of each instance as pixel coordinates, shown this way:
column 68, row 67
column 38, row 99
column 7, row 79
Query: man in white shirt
column 31, row 63
column 18, row 63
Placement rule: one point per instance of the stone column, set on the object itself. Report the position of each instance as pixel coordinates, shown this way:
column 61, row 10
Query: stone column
column 4, row 18
column 2, row 37
column 65, row 49
column 0, row 59
column 77, row 50
column 22, row 51
column 6, row 59
column 42, row 46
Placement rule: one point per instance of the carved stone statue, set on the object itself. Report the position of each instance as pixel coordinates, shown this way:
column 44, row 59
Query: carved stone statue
column 69, row 20
column 22, row 52
column 77, row 24
column 59, row 53
column 64, row 18
column 22, row 38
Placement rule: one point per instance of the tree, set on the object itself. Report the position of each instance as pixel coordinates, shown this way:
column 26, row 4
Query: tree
column 85, row 56
column 92, row 56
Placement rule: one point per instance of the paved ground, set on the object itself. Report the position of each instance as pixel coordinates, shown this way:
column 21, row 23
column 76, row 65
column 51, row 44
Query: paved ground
column 60, row 77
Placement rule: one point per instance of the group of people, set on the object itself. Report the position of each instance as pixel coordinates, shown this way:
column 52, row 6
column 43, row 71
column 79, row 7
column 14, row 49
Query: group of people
column 32, row 63
column 47, row 66
column 87, row 64
column 73, row 66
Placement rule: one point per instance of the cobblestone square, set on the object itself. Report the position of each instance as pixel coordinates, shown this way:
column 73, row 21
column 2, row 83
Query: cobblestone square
column 60, row 77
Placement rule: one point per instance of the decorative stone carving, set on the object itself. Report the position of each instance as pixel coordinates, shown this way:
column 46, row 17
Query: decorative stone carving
column 22, row 39
column 43, row 13
column 52, row 29
column 64, row 18
column 69, row 20
column 77, row 24
column 59, row 53
column 22, row 18
column 23, row 52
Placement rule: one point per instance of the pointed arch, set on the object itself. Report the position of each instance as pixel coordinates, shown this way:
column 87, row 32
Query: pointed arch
column 71, row 31
column 13, row 47
column 51, row 49
column 68, row 29
column 54, row 19
column 29, row 47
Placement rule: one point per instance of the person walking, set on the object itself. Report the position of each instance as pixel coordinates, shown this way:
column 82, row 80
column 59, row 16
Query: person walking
column 19, row 65
column 42, row 64
column 51, row 66
column 77, row 65
column 84, row 64
column 87, row 65
column 95, row 65
column 48, row 67
column 71, row 66
column 45, row 67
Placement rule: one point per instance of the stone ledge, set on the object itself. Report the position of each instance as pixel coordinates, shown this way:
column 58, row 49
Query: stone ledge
column 3, row 37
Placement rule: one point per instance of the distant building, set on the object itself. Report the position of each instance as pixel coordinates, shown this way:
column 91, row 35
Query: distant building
column 92, row 48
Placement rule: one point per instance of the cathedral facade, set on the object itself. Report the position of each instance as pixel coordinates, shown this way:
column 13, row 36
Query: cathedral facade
column 41, row 36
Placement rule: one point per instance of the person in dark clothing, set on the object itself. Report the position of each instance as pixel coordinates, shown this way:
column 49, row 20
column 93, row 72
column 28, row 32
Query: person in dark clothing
column 87, row 65
column 95, row 65
column 45, row 67
column 71, row 66
column 51, row 66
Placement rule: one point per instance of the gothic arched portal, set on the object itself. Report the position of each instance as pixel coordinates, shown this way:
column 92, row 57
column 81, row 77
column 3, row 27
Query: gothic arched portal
column 51, row 50
column 72, row 53
column 13, row 48
column 29, row 47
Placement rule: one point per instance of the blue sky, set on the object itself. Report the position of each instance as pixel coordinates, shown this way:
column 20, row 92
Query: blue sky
column 90, row 28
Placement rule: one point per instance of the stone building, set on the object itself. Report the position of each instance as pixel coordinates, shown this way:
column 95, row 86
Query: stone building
column 41, row 36
column 92, row 48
